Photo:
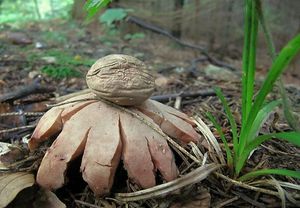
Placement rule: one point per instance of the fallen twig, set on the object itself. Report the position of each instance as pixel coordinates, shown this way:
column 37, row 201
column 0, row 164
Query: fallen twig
column 17, row 129
column 34, row 88
column 193, row 177
column 22, row 114
column 156, row 29
column 202, row 93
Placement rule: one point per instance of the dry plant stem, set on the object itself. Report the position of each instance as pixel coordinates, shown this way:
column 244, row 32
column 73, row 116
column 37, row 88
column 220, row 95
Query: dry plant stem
column 282, row 183
column 193, row 177
column 86, row 204
column 246, row 186
column 22, row 114
column 14, row 166
column 177, row 103
column 280, row 152
column 187, row 168
column 17, row 129
column 185, row 160
column 203, row 128
column 222, row 204
column 249, row 200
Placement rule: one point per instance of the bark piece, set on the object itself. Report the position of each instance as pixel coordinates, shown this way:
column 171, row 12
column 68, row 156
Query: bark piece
column 103, row 150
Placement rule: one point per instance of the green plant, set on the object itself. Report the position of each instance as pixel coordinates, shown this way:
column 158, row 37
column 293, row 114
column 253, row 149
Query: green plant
column 255, row 110
column 63, row 63
column 16, row 13
column 93, row 6
column 112, row 15
column 134, row 36
column 59, row 72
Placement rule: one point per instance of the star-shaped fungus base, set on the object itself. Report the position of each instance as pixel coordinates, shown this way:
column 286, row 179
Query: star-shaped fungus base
column 103, row 134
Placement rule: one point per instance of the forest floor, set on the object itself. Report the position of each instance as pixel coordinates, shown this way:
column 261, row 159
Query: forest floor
column 54, row 61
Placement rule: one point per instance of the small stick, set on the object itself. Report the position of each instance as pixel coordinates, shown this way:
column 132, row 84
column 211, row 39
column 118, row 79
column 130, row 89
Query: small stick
column 246, row 186
column 17, row 129
column 177, row 103
column 202, row 93
column 34, row 88
column 223, row 204
column 22, row 114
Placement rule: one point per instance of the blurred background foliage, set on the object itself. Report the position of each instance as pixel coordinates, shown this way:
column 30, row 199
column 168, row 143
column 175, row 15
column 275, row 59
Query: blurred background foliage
column 200, row 20
column 17, row 12
column 214, row 24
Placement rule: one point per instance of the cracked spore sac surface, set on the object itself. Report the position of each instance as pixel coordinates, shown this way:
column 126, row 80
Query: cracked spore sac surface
column 121, row 79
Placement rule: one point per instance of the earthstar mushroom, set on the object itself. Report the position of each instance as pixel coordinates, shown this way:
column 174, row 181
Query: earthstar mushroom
column 103, row 133
column 121, row 79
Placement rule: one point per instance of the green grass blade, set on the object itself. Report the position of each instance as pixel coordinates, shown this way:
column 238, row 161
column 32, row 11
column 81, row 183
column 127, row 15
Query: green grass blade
column 284, row 172
column 287, row 108
column 252, row 58
column 230, row 118
column 279, row 65
column 291, row 119
column 266, row 31
column 249, row 65
column 247, row 33
column 222, row 136
column 292, row 137
column 93, row 6
column 261, row 117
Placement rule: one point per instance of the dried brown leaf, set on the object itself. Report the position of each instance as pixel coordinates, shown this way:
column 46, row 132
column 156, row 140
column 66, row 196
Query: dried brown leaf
column 11, row 184
column 47, row 199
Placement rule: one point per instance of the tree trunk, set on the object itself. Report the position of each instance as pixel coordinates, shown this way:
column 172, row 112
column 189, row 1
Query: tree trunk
column 37, row 10
column 176, row 28
column 52, row 7
column 77, row 12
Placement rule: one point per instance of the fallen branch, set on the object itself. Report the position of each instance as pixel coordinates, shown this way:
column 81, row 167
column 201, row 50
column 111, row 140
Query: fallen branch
column 149, row 26
column 17, row 129
column 34, row 88
column 202, row 93
column 159, row 98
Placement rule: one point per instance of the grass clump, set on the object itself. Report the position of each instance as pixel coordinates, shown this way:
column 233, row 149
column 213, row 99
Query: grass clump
column 255, row 109
column 62, row 64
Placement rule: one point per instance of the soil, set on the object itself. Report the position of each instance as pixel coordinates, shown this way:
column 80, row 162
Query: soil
column 21, row 64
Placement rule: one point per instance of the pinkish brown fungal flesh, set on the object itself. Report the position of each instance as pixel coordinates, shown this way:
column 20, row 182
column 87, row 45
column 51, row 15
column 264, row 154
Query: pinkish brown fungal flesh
column 70, row 111
column 102, row 150
column 172, row 124
column 161, row 154
column 48, row 125
column 104, row 135
column 136, row 155
column 170, row 110
column 69, row 145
